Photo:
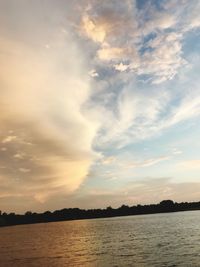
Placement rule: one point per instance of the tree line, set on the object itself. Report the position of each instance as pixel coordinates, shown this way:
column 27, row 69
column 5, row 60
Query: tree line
column 7, row 219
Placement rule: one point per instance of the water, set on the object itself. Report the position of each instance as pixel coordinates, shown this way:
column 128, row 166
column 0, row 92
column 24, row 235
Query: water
column 171, row 239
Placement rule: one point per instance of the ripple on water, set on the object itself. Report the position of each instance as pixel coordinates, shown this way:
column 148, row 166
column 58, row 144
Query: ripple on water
column 147, row 240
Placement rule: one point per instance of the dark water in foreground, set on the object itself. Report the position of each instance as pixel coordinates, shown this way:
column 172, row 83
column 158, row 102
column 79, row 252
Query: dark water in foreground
column 171, row 239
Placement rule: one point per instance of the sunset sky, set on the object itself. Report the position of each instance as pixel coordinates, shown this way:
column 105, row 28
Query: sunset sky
column 99, row 103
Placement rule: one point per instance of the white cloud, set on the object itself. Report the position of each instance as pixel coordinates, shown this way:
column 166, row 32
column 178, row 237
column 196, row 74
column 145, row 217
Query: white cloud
column 136, row 116
column 176, row 151
column 165, row 59
column 43, row 107
column 121, row 67
column 93, row 73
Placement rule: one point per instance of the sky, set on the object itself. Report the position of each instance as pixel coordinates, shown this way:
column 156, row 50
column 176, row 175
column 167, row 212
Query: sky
column 99, row 103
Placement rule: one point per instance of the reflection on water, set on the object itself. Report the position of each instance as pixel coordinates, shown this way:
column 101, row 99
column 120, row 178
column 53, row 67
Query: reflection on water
column 171, row 239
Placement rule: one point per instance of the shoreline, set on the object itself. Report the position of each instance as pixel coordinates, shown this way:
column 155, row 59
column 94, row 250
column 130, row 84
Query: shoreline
column 71, row 214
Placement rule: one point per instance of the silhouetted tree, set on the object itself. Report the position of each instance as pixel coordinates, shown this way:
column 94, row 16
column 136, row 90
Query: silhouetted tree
column 167, row 203
column 75, row 213
column 28, row 213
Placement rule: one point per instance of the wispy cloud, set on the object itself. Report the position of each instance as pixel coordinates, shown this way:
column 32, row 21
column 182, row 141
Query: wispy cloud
column 147, row 162
column 189, row 164
column 153, row 48
column 145, row 191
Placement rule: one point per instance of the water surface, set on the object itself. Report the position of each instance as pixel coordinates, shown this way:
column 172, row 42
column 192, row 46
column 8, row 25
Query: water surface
column 171, row 239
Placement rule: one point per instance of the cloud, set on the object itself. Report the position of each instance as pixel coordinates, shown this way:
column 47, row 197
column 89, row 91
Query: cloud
column 93, row 73
column 153, row 190
column 8, row 139
column 153, row 19
column 151, row 49
column 136, row 116
column 102, row 22
column 83, row 79
column 189, row 164
column 162, row 56
column 45, row 130
column 108, row 160
column 176, row 151
column 164, row 59
column 94, row 31
column 147, row 41
column 136, row 45
column 121, row 67
column 139, row 114
column 148, row 162
column 108, row 53
column 24, row 170
column 187, row 12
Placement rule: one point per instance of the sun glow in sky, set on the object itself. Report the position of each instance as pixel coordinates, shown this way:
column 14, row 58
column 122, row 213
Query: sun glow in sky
column 99, row 103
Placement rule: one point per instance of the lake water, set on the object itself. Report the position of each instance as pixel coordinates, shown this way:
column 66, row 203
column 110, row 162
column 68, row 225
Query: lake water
column 171, row 239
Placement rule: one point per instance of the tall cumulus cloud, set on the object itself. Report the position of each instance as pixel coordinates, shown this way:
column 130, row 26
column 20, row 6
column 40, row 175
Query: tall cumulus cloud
column 46, row 136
